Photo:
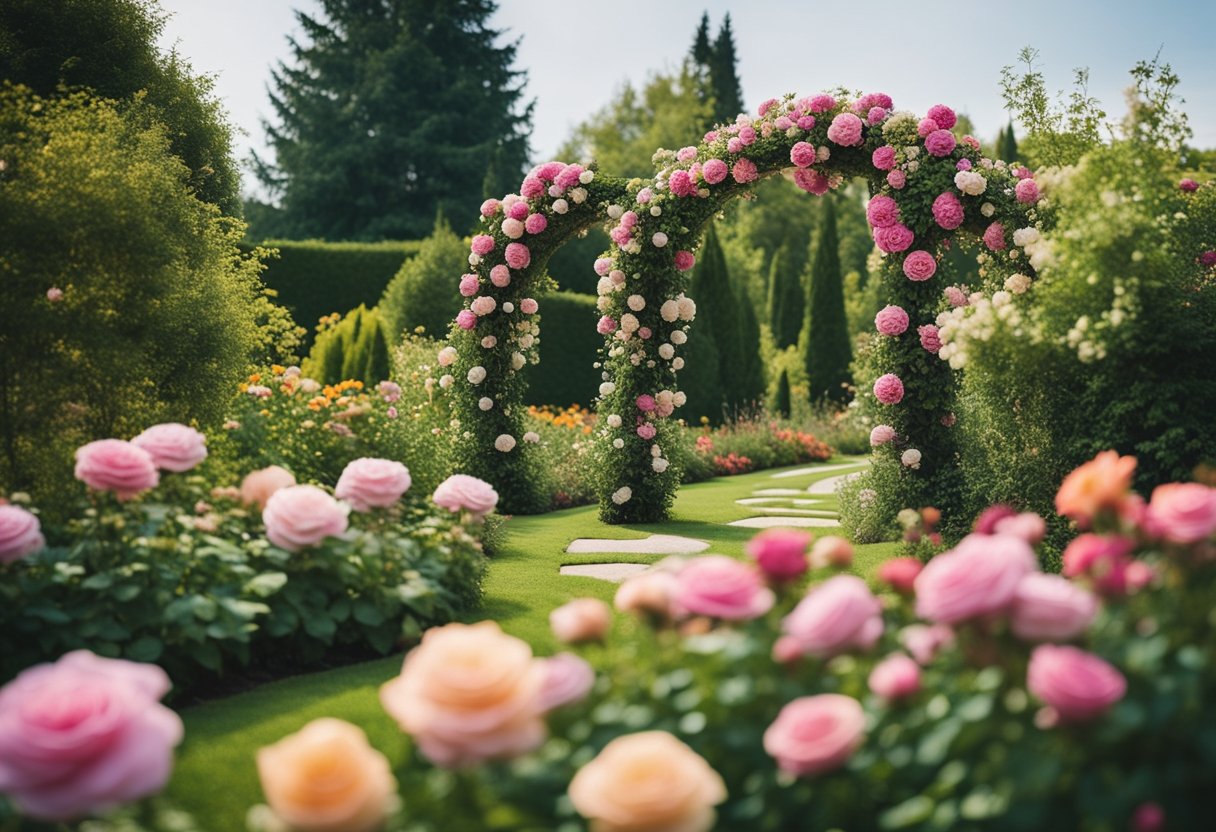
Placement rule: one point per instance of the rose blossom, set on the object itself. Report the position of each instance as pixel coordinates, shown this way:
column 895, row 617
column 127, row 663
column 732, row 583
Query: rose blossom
column 115, row 465
column 816, row 734
column 482, row 245
column 838, row 616
column 881, row 435
column 948, row 211
column 930, row 338
column 883, row 158
column 900, row 573
column 1103, row 560
column 469, row 693
column 1182, row 512
column 568, row 679
column 258, row 485
column 1027, row 191
column 940, row 143
column 831, row 550
column 714, row 171
column 888, row 389
column 1078, row 685
column 647, row 782
column 460, row 492
column 1148, row 817
column 173, row 446
column 1051, row 608
column 897, row 179
column 994, row 236
column 923, row 641
column 466, row 319
column 518, row 256
column 1027, row 525
column 1098, row 485
column 780, row 553
column 920, row 265
column 802, row 154
column 893, row 238
column 891, row 320
column 468, row 285
column 721, row 587
column 369, row 483
column 300, row 516
column 685, row 260
column 976, row 578
column 20, row 534
column 327, row 778
column 812, row 181
column 744, row 171
column 83, row 735
column 583, row 619
column 845, row 130
column 882, row 212
column 895, row 677
column 649, row 594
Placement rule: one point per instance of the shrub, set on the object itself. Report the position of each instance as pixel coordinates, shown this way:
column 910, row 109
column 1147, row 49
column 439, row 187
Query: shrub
column 350, row 347
column 569, row 347
column 424, row 292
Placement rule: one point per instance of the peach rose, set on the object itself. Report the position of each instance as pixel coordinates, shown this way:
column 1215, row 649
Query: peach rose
column 115, row 465
column 369, row 483
column 469, row 693
column 258, row 485
column 648, row 595
column 647, row 782
column 460, row 492
column 20, row 534
column 300, row 516
column 831, row 550
column 327, row 778
column 583, row 619
column 1100, row 484
column 173, row 446
column 816, row 734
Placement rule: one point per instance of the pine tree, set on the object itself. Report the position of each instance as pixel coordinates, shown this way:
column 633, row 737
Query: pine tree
column 828, row 351
column 391, row 110
column 1009, row 152
column 724, row 75
column 781, row 405
column 702, row 52
column 786, row 300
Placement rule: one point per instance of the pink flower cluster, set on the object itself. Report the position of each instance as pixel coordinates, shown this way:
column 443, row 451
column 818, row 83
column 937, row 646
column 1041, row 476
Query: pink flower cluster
column 948, row 211
column 889, row 389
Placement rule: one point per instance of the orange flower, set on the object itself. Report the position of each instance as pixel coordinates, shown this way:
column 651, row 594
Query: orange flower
column 278, row 369
column 255, row 378
column 1101, row 483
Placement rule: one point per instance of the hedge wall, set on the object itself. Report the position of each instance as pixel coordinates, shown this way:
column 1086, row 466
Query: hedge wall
column 315, row 278
column 568, row 347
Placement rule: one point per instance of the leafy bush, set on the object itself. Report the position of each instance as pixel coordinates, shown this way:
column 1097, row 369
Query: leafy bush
column 353, row 346
column 424, row 293
column 569, row 348
column 749, row 444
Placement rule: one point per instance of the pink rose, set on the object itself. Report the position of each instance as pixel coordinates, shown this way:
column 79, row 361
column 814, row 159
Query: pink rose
column 920, row 265
column 466, row 319
column 893, row 238
column 816, row 734
column 1149, row 817
column 603, row 265
column 518, row 211
column 647, row 431
column 606, row 325
column 84, row 735
column 490, row 207
column 831, row 551
column 568, row 679
column 900, row 573
column 883, row 158
column 531, row 187
column 518, row 256
column 943, row 116
column 648, row 595
column 645, row 403
column 369, row 483
column 721, row 587
column 845, row 130
column 802, row 154
column 948, row 211
column 460, row 492
column 994, row 236
column 1027, row 191
column 891, row 320
column 114, row 465
column 54, row 294
column 747, row 134
column 20, row 534
column 583, row 619
column 469, row 285
column 1188, row 185
column 528, row 306
column 535, row 223
column 989, row 517
column 482, row 244
column 930, row 338
column 1051, row 608
column 734, row 145
column 500, row 276
column 882, row 212
column 924, row 641
column 1078, row 685
column 895, row 677
column 897, row 179
column 1182, row 512
column 1103, row 560
column 257, row 486
column 940, row 143
column 780, row 553
column 881, row 435
column 681, row 183
column 978, row 577
column 821, row 104
column 744, row 171
column 812, row 181
column 300, row 516
column 927, row 126
column 838, row 616
column 685, row 260
column 888, row 389
column 714, row 171
column 955, row 296
column 173, row 447
column 1027, row 525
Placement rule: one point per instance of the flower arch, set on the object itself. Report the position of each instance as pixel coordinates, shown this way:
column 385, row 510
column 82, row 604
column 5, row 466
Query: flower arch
column 926, row 186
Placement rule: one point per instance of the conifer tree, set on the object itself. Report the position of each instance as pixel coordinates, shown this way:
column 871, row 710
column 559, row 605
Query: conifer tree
column 786, row 300
column 781, row 405
column 751, row 382
column 828, row 351
column 724, row 75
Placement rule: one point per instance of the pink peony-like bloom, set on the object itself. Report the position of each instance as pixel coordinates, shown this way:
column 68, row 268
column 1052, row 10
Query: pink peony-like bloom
column 881, row 435
column 927, row 126
column 1103, row 560
column 734, row 145
column 895, row 677
column 744, row 171
column 897, row 179
column 118, row 466
column 1148, row 817
column 1208, row 258
column 883, row 158
column 20, row 534
column 978, row 577
column 173, row 446
column 948, row 211
column 802, row 154
column 956, row 296
column 900, row 573
column 258, row 486
column 529, row 306
column 1188, row 185
column 821, row 104
column 888, row 389
column 838, row 616
column 603, row 265
column 535, row 223
column 518, row 256
column 54, row 294
column 583, row 619
column 780, row 553
column 920, row 265
column 1027, row 191
column 943, row 116
column 766, row 105
column 875, row 116
column 1102, row 484
column 647, row 431
column 747, row 135
column 568, row 679
column 569, row 176
column 1027, row 525
column 924, row 641
column 490, row 207
column 681, row 183
column 1078, row 685
column 891, row 320
column 894, row 238
column 645, row 403
column 930, row 338
column 940, row 143
column 882, row 212
column 300, row 516
column 511, row 227
column 462, row 493
column 469, row 285
column 369, row 483
column 1051, row 608
column 685, row 260
column 500, row 276
column 606, row 325
column 686, row 154
column 816, row 734
column 806, row 122
column 962, row 164
column 518, row 211
column 84, row 735
column 1182, row 512
column 483, row 244
column 994, row 237
column 845, row 130
column 532, row 187
column 466, row 319
column 721, row 587
column 812, row 181
column 714, row 171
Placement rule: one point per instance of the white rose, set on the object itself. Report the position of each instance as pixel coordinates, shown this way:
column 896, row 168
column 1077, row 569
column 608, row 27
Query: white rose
column 586, row 177
column 1025, row 236
column 532, row 436
column 659, row 239
column 489, row 342
column 448, row 356
column 474, row 259
column 910, row 458
column 617, row 277
column 517, row 361
column 970, row 182
column 637, row 303
column 655, row 211
column 485, row 403
column 669, row 311
column 505, row 442
column 665, row 398
column 579, row 195
column 677, row 363
column 525, row 341
column 655, row 450
column 615, row 211
column 508, row 307
column 477, row 374
column 604, row 285
column 446, row 381
column 666, row 352
column 659, row 464
column 688, row 308
column 603, row 303
column 679, row 337
column 618, row 443
column 680, row 399
column 1017, row 283
column 629, row 323
column 513, row 228
column 622, row 495
column 987, row 209
column 614, row 421
column 560, row 206
column 607, row 388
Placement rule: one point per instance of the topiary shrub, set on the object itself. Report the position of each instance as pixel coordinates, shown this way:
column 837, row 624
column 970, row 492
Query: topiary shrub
column 424, row 291
column 568, row 350
column 350, row 347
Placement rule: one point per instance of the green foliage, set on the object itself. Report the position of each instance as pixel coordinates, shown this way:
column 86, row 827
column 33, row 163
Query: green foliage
column 1007, row 145
column 719, row 315
column 425, row 291
column 568, row 345
column 371, row 132
column 1058, row 134
column 109, row 47
column 725, row 88
column 159, row 311
column 786, row 299
column 781, row 405
column 353, row 347
column 749, row 385
column 828, row 350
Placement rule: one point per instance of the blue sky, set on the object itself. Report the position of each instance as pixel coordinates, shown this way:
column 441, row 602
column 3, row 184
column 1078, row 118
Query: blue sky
column 578, row 52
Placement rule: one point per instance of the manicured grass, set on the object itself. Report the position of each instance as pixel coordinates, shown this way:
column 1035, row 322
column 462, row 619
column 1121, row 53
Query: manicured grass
column 216, row 778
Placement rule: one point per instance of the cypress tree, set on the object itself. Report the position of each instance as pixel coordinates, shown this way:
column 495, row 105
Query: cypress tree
column 724, row 75
column 702, row 52
column 786, row 300
column 750, row 383
column 828, row 351
column 1011, row 144
column 782, row 403
column 718, row 313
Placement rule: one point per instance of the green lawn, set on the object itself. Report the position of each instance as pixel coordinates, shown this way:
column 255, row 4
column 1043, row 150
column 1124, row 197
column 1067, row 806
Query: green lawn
column 215, row 777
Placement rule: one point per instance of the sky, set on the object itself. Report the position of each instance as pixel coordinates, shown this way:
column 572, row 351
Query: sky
column 578, row 53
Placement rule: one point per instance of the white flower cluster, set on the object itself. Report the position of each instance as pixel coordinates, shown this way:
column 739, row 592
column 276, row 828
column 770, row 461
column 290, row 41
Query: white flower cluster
column 622, row 495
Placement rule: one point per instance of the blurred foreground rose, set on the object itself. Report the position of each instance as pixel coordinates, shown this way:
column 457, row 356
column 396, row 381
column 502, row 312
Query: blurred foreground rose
column 1078, row 685
column 816, row 734
column 173, row 446
column 583, row 619
column 300, row 516
column 460, row 492
column 115, row 465
column 20, row 534
column 258, row 485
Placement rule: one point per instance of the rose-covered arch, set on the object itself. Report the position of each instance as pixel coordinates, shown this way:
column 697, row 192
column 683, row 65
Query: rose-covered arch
column 926, row 187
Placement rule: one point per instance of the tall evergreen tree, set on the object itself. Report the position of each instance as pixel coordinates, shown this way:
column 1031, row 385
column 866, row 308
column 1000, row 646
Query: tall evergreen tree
column 717, row 316
column 702, row 52
column 828, row 351
column 781, row 405
column 750, row 384
column 786, row 300
column 724, row 75
column 391, row 110
column 1007, row 145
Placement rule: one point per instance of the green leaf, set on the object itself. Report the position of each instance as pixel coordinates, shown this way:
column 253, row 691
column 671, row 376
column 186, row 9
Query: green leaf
column 102, row 580
column 320, row 626
column 367, row 613
column 915, row 810
column 48, row 614
column 145, row 649
column 266, row 584
column 245, row 610
column 127, row 592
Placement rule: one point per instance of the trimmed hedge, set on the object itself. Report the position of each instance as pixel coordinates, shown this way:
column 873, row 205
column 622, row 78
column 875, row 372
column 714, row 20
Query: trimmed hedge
column 314, row 278
column 569, row 345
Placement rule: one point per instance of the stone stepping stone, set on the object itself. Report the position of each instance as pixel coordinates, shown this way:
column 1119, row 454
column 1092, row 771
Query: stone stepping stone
column 828, row 486
column 614, row 572
column 772, row 522
column 778, row 492
column 760, row 501
column 655, row 544
column 816, row 469
column 797, row 512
